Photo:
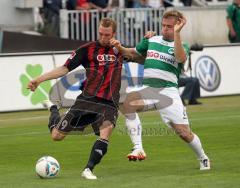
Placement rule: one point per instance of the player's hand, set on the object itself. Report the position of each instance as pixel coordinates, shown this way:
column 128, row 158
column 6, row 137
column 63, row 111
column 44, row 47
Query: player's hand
column 32, row 85
column 115, row 43
column 179, row 25
column 149, row 34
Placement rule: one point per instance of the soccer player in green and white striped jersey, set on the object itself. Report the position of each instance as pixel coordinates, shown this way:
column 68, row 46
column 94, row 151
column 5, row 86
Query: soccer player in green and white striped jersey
column 165, row 56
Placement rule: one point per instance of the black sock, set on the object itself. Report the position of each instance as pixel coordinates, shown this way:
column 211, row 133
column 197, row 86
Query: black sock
column 99, row 149
column 54, row 117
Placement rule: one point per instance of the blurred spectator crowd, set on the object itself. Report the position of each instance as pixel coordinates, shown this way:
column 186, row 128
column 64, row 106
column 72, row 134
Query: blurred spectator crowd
column 51, row 9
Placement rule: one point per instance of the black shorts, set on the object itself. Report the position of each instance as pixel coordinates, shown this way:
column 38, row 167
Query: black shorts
column 88, row 111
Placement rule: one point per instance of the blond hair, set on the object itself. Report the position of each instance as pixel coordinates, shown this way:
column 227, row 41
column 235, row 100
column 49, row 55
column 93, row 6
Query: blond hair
column 172, row 13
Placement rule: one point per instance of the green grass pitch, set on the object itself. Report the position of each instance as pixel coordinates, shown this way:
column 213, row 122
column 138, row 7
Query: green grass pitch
column 24, row 138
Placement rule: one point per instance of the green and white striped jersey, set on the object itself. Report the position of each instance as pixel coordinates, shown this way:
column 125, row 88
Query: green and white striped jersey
column 160, row 66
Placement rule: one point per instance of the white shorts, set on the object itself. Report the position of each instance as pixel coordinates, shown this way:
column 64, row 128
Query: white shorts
column 168, row 103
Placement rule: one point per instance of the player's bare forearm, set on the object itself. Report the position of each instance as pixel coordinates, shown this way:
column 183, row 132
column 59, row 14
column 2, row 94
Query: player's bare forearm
column 179, row 51
column 136, row 58
column 55, row 73
column 131, row 55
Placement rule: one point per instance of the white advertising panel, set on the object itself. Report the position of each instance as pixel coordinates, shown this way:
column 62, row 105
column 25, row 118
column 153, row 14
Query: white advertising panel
column 218, row 70
column 15, row 73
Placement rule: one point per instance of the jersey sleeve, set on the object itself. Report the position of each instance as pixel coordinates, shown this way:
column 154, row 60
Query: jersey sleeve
column 77, row 58
column 142, row 47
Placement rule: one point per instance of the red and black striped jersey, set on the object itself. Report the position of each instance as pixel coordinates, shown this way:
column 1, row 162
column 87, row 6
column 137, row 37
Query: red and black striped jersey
column 103, row 70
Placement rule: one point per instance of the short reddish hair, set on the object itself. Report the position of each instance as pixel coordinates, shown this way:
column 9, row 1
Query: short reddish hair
column 108, row 22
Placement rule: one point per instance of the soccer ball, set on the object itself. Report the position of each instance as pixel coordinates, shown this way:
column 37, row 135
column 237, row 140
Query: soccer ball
column 47, row 167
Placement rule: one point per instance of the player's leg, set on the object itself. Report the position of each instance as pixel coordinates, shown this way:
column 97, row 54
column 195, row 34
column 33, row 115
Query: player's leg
column 99, row 149
column 103, row 127
column 131, row 105
column 66, row 124
column 144, row 99
column 70, row 119
column 54, row 119
column 175, row 115
column 194, row 142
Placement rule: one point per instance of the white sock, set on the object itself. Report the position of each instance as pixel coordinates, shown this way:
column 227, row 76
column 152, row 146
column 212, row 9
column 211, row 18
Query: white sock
column 134, row 129
column 196, row 145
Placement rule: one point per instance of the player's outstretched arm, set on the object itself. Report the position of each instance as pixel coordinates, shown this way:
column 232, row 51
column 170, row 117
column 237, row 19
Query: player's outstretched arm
column 129, row 53
column 55, row 73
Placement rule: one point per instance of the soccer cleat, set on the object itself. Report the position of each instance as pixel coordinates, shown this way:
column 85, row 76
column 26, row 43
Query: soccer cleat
column 205, row 164
column 136, row 154
column 87, row 174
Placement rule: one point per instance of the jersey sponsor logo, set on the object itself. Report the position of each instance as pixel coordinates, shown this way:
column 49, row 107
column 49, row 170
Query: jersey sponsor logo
column 208, row 73
column 72, row 55
column 106, row 57
column 161, row 56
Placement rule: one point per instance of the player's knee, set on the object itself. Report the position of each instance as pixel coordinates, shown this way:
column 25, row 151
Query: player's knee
column 56, row 136
column 132, row 106
column 183, row 132
column 183, row 136
column 126, row 108
column 126, row 105
column 106, row 130
column 186, row 135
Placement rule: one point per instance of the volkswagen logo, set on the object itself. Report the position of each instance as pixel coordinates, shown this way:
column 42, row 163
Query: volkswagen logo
column 208, row 73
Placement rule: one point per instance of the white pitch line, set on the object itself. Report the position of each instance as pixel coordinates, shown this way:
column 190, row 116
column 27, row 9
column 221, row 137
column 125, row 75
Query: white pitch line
column 192, row 119
column 215, row 117
column 144, row 123
column 23, row 134
column 23, row 119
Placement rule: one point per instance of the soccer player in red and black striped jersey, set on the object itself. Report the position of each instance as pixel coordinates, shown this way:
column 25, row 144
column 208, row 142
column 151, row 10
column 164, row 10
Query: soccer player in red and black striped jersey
column 98, row 103
column 103, row 66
